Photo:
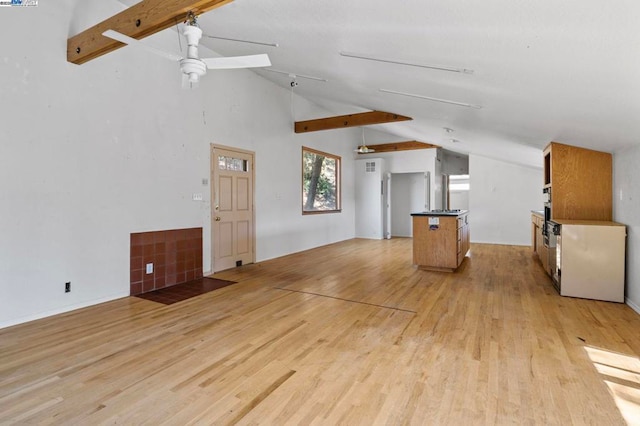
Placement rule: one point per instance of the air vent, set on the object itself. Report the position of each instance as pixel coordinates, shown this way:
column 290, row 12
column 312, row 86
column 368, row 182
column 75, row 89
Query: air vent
column 370, row 167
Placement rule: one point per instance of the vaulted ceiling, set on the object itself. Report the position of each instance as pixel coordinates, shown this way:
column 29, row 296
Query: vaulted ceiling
column 534, row 72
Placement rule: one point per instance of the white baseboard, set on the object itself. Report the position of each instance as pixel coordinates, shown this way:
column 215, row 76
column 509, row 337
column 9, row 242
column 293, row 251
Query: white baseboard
column 62, row 310
column 632, row 305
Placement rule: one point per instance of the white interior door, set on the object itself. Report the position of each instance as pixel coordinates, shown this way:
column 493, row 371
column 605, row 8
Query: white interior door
column 232, row 208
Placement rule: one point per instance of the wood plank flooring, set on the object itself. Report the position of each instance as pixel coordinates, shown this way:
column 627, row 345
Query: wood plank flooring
column 349, row 333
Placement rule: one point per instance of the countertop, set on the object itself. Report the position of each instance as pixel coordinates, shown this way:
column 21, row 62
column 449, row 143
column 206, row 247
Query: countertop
column 587, row 222
column 538, row 212
column 441, row 213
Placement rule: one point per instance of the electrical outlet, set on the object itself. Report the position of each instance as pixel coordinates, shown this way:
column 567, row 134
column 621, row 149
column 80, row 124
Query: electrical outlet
column 149, row 268
column 67, row 287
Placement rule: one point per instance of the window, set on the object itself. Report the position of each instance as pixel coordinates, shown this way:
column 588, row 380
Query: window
column 233, row 164
column 320, row 182
column 459, row 182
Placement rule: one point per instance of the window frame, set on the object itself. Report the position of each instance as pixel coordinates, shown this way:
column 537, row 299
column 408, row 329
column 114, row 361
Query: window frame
column 338, row 172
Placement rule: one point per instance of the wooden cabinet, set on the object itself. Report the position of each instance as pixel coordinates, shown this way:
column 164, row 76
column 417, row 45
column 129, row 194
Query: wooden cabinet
column 580, row 181
column 440, row 242
column 536, row 224
column 463, row 238
column 537, row 240
column 543, row 254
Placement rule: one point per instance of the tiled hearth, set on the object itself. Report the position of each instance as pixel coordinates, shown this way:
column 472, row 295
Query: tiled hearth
column 176, row 256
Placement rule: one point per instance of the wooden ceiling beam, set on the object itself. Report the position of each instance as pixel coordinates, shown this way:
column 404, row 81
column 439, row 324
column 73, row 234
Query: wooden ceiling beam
column 139, row 21
column 400, row 146
column 351, row 120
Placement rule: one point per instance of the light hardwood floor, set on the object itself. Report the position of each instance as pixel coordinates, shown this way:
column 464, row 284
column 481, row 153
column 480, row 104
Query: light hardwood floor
column 349, row 333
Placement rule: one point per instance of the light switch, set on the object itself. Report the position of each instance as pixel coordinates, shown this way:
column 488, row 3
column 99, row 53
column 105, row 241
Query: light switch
column 197, row 196
column 149, row 268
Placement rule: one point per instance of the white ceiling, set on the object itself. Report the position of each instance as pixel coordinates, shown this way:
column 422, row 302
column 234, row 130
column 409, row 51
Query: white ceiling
column 544, row 70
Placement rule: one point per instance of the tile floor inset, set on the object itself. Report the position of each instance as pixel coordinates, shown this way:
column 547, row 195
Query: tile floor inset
column 184, row 291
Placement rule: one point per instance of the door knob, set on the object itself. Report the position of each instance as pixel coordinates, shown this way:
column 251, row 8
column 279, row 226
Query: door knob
column 217, row 218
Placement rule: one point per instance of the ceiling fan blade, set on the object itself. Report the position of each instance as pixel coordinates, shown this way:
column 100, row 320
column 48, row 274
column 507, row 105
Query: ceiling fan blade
column 225, row 63
column 137, row 43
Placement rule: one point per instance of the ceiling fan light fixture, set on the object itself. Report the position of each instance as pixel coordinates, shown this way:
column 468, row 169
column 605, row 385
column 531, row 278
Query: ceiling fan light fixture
column 363, row 149
column 194, row 68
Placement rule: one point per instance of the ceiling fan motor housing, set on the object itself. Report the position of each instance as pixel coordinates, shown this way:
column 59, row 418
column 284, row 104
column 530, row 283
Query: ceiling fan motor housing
column 192, row 65
column 194, row 68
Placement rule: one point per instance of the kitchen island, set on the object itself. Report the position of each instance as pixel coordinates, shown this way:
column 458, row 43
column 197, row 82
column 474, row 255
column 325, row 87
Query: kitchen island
column 440, row 239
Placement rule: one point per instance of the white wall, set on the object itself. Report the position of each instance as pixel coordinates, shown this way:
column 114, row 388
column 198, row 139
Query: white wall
column 92, row 153
column 247, row 111
column 368, row 198
column 626, row 210
column 422, row 160
column 419, row 161
column 501, row 198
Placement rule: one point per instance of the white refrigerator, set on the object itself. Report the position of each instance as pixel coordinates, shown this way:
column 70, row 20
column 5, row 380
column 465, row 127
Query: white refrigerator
column 590, row 259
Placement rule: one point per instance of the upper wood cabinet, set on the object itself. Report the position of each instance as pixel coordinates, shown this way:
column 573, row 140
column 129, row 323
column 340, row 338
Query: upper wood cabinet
column 580, row 180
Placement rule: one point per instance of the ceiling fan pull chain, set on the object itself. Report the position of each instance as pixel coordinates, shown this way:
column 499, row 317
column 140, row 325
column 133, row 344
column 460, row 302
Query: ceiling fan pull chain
column 179, row 41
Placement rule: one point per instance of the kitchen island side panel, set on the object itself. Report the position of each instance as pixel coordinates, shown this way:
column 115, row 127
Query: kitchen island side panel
column 435, row 245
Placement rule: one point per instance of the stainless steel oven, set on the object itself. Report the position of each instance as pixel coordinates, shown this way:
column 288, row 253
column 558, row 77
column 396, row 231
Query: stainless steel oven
column 546, row 193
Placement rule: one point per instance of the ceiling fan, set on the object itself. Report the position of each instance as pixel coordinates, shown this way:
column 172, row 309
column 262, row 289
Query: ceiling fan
column 192, row 66
column 363, row 149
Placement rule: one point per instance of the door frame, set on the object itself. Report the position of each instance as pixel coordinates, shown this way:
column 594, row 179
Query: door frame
column 388, row 210
column 386, row 189
column 212, row 212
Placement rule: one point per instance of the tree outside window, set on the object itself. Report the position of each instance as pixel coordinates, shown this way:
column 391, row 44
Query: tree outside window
column 320, row 182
